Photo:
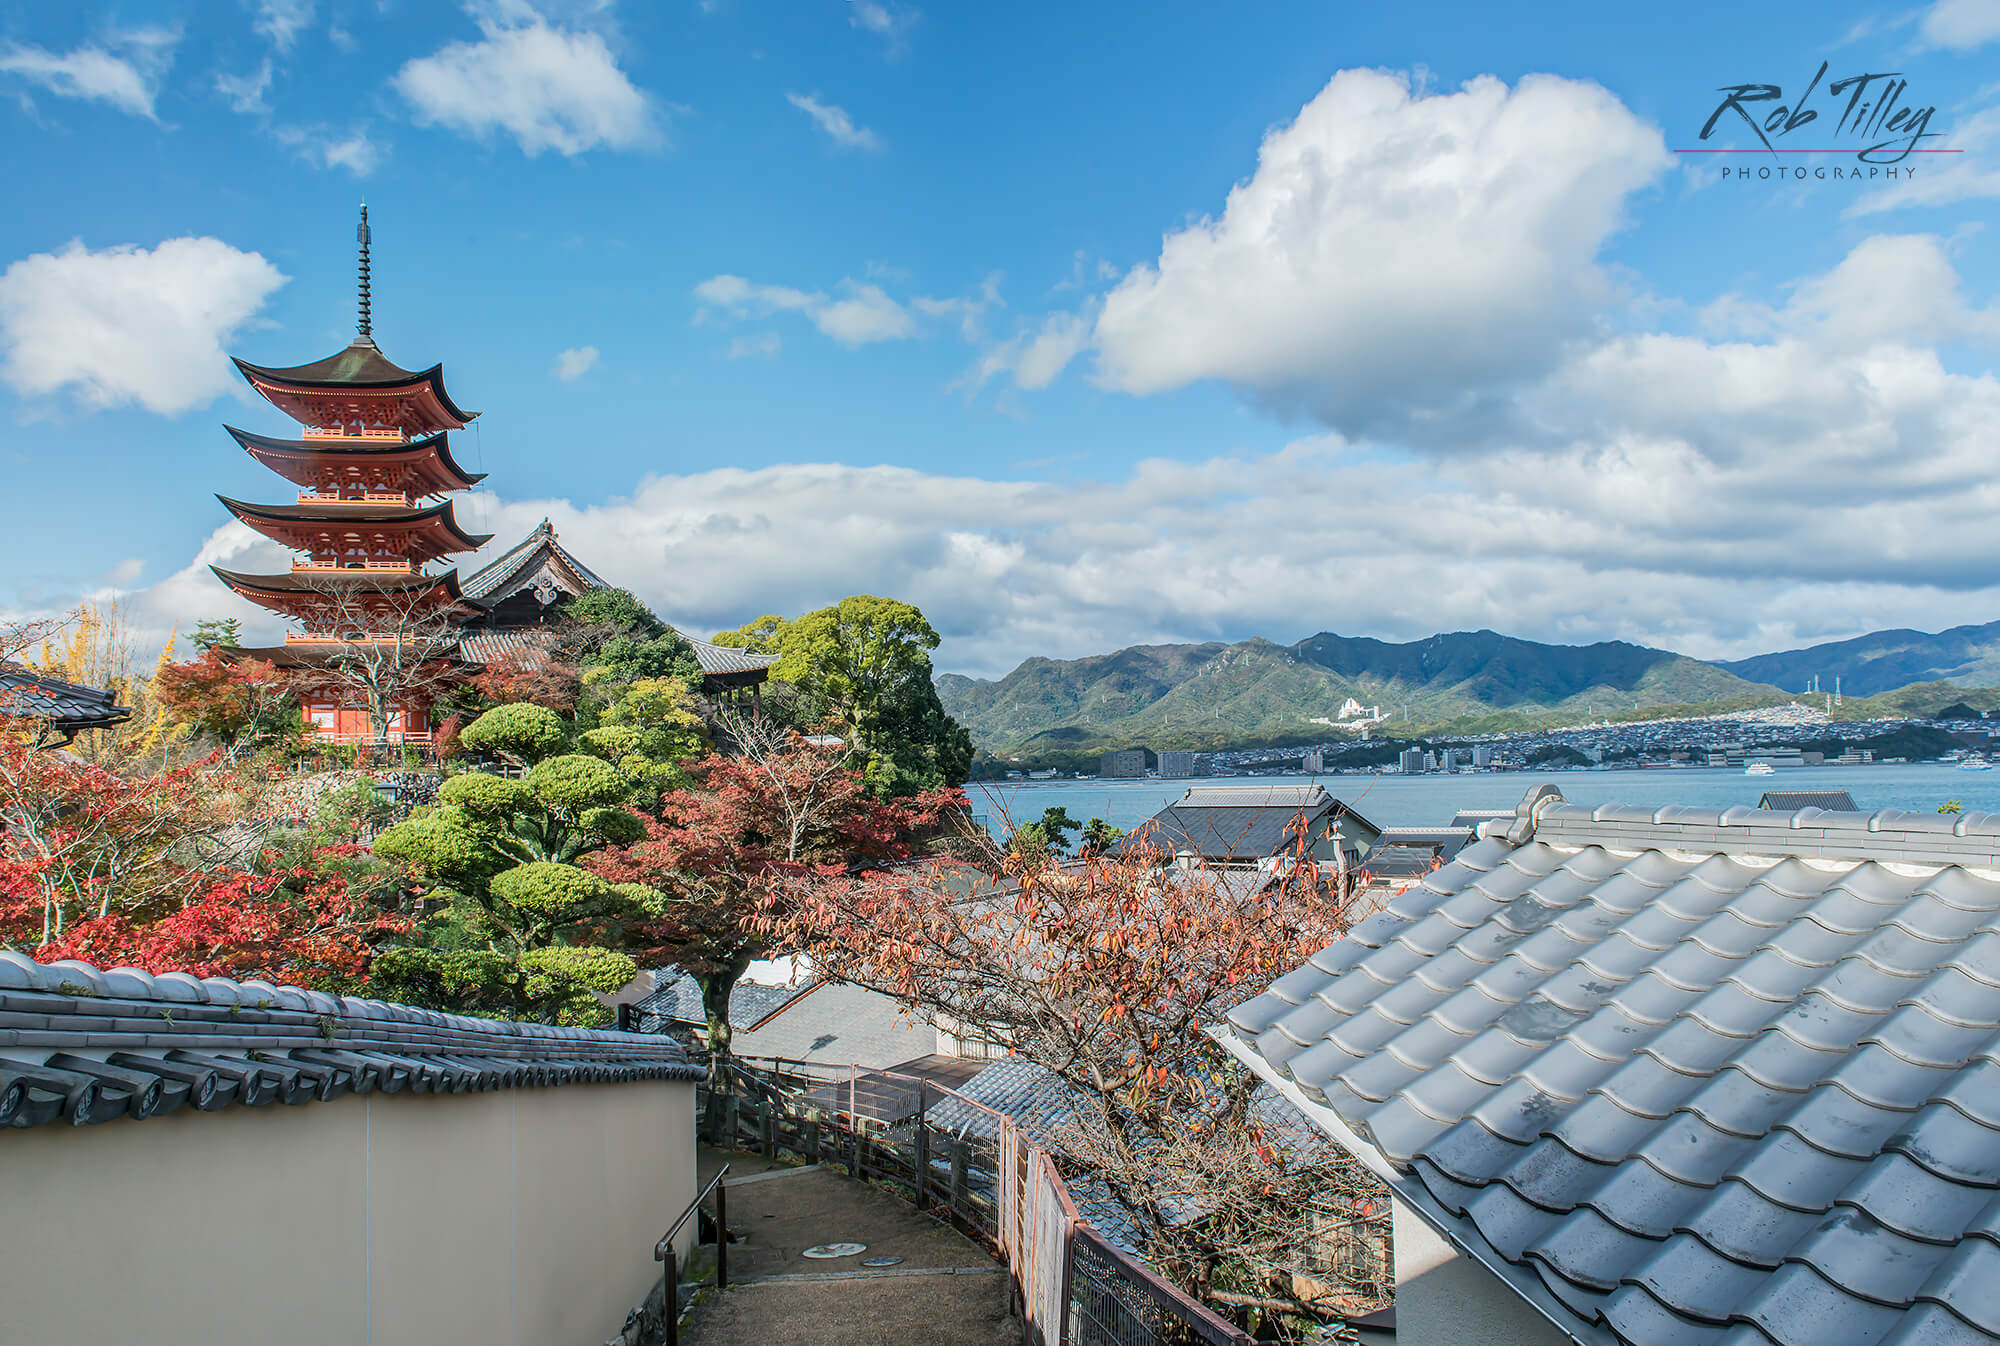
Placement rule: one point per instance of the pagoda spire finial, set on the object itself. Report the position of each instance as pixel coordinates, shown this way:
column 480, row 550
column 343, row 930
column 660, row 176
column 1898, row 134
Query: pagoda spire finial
column 367, row 324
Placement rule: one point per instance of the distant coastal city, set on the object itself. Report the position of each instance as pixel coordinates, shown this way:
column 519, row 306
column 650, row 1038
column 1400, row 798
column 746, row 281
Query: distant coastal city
column 1762, row 740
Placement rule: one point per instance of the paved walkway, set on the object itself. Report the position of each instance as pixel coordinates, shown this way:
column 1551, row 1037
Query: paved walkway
column 946, row 1291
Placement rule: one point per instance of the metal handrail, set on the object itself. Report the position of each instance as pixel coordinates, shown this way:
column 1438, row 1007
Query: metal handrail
column 1209, row 1325
column 663, row 1251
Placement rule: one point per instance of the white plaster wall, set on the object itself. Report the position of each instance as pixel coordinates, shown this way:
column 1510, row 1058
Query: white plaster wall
column 522, row 1217
column 1444, row 1298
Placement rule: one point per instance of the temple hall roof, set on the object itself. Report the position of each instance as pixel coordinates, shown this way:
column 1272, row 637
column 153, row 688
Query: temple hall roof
column 523, row 563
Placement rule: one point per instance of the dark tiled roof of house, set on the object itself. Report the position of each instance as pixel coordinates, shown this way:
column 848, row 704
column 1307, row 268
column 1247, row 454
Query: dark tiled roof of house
column 85, row 1045
column 1681, row 1076
column 838, row 1023
column 65, row 705
column 677, row 999
column 1411, row 852
column 1225, row 823
column 1791, row 801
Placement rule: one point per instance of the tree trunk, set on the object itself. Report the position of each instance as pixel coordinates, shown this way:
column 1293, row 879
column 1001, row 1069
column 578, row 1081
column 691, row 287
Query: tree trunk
column 716, row 988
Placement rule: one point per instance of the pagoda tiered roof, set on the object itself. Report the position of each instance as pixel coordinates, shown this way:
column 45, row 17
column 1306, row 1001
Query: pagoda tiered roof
column 388, row 463
column 337, row 528
column 304, row 652
column 380, row 580
column 359, row 389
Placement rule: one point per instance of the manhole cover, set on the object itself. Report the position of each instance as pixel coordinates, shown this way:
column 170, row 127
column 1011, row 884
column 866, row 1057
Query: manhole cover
column 880, row 1261
column 835, row 1250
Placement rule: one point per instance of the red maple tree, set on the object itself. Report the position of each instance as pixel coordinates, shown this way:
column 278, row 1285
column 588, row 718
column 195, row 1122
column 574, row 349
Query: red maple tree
column 748, row 830
column 1106, row 973
column 118, row 870
column 234, row 700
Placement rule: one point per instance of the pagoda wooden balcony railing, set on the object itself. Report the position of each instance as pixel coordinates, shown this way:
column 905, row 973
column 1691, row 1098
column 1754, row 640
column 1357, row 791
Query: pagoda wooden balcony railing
column 349, row 638
column 345, row 568
column 398, row 738
column 364, row 498
column 377, row 435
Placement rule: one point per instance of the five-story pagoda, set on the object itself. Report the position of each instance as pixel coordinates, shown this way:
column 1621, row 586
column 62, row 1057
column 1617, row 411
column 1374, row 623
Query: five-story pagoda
column 378, row 630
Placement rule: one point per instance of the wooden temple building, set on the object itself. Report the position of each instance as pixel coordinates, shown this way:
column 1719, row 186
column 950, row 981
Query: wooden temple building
column 372, row 515
column 520, row 594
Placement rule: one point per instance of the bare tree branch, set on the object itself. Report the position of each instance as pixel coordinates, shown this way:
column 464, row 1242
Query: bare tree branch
column 388, row 650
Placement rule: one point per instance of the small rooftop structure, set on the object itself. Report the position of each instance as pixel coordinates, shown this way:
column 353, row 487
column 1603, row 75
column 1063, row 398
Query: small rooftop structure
column 1678, row 1077
column 1404, row 854
column 1791, row 801
column 1252, row 824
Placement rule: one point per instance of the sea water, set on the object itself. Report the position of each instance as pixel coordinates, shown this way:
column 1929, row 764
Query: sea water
column 1431, row 800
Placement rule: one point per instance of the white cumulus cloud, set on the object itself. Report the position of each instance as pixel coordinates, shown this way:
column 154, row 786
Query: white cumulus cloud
column 863, row 313
column 891, row 23
column 834, row 121
column 765, row 346
column 549, row 88
column 575, row 362
column 246, row 92
column 128, row 324
column 124, row 70
column 1961, row 25
column 283, row 20
column 1395, row 255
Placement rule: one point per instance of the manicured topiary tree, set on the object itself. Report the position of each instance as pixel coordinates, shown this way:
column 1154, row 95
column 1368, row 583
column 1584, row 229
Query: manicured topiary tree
column 515, row 927
column 519, row 732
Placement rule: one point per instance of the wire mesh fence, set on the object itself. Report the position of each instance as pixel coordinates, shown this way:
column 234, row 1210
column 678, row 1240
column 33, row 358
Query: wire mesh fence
column 975, row 1168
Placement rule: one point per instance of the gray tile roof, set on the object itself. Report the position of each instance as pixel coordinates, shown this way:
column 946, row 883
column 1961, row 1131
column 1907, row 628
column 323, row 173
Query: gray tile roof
column 1409, row 852
column 719, row 659
column 1237, row 823
column 66, row 705
column 1791, row 801
column 1042, row 1106
column 85, row 1045
column 840, row 1024
column 525, row 646
column 1254, row 796
column 521, row 564
column 1682, row 1076
column 677, row 999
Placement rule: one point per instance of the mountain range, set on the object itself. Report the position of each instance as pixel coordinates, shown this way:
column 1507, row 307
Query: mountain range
column 1254, row 692
column 1883, row 661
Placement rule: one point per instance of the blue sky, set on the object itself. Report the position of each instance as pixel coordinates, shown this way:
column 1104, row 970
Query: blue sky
column 1077, row 328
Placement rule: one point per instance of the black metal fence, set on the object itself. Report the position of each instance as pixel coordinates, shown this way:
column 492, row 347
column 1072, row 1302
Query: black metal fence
column 974, row 1168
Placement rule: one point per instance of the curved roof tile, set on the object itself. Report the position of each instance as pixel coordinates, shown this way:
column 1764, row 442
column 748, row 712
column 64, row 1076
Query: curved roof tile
column 88, row 1045
column 1680, row 1074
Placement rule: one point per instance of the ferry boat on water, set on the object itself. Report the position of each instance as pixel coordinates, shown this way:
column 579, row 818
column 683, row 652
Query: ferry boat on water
column 1975, row 764
column 1760, row 769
